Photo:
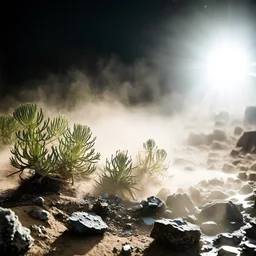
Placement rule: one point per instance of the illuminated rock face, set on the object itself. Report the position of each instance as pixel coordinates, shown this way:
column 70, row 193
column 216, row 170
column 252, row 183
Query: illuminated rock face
column 176, row 233
column 221, row 212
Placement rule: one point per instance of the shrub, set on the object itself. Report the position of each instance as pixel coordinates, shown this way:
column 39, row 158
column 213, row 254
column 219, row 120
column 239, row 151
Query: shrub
column 117, row 177
column 50, row 148
column 152, row 161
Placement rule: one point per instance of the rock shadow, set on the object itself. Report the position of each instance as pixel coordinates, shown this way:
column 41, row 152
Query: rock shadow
column 69, row 243
column 159, row 249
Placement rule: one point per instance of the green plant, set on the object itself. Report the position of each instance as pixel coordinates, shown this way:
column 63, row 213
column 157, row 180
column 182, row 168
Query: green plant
column 8, row 127
column 152, row 160
column 50, row 148
column 117, row 177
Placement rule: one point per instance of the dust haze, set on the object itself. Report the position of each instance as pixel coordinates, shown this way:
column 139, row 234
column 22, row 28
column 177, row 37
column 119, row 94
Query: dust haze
column 125, row 106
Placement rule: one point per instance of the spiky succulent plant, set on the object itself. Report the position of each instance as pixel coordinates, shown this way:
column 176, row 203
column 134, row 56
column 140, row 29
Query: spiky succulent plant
column 50, row 148
column 152, row 160
column 117, row 177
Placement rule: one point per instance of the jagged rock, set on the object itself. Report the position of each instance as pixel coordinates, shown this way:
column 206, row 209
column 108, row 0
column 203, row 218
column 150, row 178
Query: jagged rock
column 86, row 223
column 217, row 194
column 163, row 193
column 221, row 212
column 101, row 207
column 234, row 152
column 247, row 141
column 150, row 207
column 238, row 130
column 15, row 240
column 228, row 168
column 228, row 239
column 245, row 189
column 250, row 115
column 39, row 201
column 210, row 228
column 176, row 233
column 115, row 250
column 252, row 176
column 249, row 156
column 250, row 230
column 248, row 249
column 39, row 214
column 180, row 205
column 219, row 135
column 242, row 175
column 228, row 251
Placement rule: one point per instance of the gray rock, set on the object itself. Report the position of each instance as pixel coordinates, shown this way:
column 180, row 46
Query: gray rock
column 195, row 195
column 228, row 239
column 176, row 233
column 86, row 223
column 248, row 249
column 39, row 214
column 101, row 207
column 250, row 115
column 221, row 212
column 252, row 176
column 210, row 228
column 228, row 168
column 228, row 251
column 245, row 189
column 250, row 230
column 195, row 139
column 242, row 175
column 180, row 204
column 219, row 135
column 38, row 201
column 216, row 182
column 238, row 130
column 14, row 238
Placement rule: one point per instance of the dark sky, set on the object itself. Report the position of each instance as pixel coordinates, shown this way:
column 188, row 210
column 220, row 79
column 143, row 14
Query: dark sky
column 41, row 37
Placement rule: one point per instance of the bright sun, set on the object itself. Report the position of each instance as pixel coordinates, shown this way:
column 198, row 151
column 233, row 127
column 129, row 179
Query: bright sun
column 227, row 66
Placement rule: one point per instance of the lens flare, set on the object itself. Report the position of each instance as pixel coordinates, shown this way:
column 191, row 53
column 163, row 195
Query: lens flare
column 227, row 66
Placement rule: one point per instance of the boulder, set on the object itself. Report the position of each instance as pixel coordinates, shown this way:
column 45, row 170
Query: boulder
column 216, row 182
column 219, row 135
column 228, row 251
column 39, row 214
column 245, row 189
column 250, row 230
column 222, row 116
column 210, row 228
column 195, row 195
column 14, row 238
column 248, row 249
column 86, row 223
column 252, row 176
column 228, row 168
column 180, row 205
column 39, row 201
column 247, row 142
column 126, row 250
column 228, row 239
column 242, row 175
column 176, row 233
column 221, row 212
column 238, row 130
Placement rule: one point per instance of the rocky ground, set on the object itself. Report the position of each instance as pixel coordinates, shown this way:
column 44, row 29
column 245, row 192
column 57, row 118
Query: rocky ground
column 214, row 213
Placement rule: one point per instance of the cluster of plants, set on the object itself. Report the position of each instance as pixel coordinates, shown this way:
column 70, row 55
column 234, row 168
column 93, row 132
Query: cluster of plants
column 50, row 149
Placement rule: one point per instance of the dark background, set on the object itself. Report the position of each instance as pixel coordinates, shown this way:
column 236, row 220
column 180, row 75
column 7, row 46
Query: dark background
column 42, row 37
